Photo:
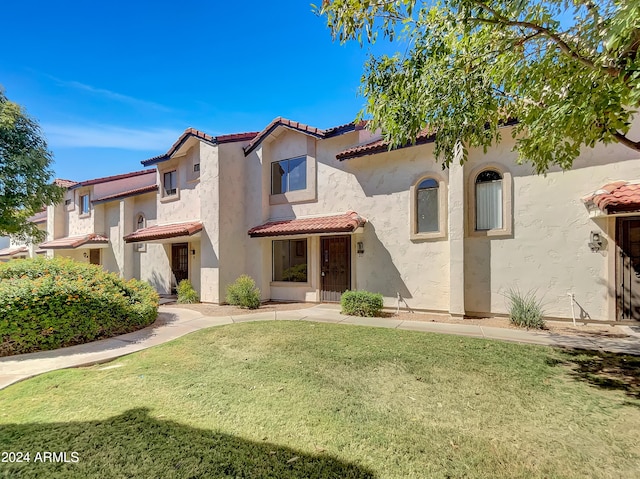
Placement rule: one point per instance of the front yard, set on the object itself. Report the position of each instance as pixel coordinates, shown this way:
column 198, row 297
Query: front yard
column 302, row 399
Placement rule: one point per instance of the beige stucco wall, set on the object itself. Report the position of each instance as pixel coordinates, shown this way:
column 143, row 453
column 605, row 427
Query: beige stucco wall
column 377, row 187
column 548, row 249
column 210, row 217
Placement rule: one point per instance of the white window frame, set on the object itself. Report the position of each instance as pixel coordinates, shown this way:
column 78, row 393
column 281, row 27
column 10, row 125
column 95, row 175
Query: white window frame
column 442, row 209
column 507, row 200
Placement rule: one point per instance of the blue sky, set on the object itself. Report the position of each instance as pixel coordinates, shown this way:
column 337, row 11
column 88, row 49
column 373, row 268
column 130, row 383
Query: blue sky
column 113, row 83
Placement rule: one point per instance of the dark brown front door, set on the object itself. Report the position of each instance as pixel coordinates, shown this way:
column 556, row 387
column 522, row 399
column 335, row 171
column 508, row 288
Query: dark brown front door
column 180, row 261
column 335, row 267
column 94, row 256
column 628, row 294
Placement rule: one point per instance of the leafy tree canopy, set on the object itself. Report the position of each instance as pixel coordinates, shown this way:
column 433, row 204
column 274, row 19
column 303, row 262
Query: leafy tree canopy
column 26, row 180
column 567, row 70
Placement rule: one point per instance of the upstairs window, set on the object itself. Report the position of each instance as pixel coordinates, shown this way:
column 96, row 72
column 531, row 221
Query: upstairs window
column 489, row 214
column 84, row 205
column 427, row 206
column 170, row 183
column 288, row 175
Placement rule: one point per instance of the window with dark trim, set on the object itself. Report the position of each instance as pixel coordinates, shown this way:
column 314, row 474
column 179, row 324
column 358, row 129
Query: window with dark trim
column 489, row 212
column 290, row 260
column 288, row 175
column 170, row 183
column 427, row 219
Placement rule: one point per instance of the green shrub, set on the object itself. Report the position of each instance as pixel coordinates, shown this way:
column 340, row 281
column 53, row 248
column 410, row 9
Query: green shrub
column 186, row 293
column 243, row 293
column 52, row 303
column 525, row 310
column 361, row 303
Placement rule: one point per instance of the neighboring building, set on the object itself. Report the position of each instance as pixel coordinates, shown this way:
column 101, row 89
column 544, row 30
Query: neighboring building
column 309, row 213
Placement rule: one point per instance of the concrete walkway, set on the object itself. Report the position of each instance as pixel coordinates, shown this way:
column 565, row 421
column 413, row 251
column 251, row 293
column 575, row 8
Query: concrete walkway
column 174, row 322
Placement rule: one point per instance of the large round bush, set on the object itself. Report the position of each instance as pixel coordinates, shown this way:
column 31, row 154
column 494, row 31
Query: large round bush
column 52, row 303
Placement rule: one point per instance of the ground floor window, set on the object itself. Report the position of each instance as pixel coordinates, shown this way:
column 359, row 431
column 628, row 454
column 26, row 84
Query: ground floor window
column 290, row 260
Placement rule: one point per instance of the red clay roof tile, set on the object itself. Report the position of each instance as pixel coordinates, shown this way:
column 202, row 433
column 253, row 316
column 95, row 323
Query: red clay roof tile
column 72, row 242
column 13, row 251
column 107, row 179
column 159, row 232
column 616, row 197
column 380, row 145
column 64, row 183
column 126, row 194
column 344, row 223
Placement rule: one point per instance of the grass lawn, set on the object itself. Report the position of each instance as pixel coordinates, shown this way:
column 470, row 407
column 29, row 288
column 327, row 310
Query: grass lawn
column 299, row 399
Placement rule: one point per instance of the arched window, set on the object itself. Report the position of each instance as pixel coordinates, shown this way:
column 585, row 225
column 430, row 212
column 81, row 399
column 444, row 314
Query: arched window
column 141, row 222
column 489, row 214
column 427, row 206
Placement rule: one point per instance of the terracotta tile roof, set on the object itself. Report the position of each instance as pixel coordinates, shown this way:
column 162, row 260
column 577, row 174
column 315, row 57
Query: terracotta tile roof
column 282, row 123
column 380, row 145
column 72, row 242
column 301, row 127
column 126, row 194
column 616, row 197
column 13, row 251
column 107, row 179
column 192, row 132
column 159, row 232
column 236, row 137
column 39, row 217
column 64, row 183
column 344, row 223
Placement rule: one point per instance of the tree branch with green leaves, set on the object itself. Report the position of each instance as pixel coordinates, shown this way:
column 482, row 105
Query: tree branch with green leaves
column 567, row 70
column 26, row 178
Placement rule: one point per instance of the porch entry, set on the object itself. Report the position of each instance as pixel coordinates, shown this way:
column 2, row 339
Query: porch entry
column 628, row 268
column 335, row 267
column 180, row 261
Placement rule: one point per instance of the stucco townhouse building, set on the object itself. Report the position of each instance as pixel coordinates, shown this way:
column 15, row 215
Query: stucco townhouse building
column 310, row 213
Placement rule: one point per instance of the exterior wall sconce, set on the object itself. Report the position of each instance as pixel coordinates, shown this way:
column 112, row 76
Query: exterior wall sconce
column 193, row 252
column 360, row 247
column 596, row 242
column 85, row 255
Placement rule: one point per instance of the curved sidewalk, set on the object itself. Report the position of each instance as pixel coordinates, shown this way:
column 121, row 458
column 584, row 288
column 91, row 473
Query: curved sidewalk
column 175, row 322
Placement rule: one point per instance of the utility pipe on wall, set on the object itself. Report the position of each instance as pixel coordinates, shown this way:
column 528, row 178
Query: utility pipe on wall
column 573, row 312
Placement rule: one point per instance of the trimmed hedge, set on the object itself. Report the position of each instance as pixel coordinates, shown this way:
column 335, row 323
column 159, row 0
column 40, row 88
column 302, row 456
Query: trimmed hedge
column 53, row 303
column 361, row 303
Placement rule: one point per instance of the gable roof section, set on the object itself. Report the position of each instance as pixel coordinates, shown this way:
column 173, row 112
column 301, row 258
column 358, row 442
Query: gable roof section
column 73, row 242
column 126, row 194
column 380, row 146
column 302, row 128
column 345, row 223
column 106, row 179
column 616, row 197
column 64, row 183
column 13, row 252
column 161, row 232
column 193, row 133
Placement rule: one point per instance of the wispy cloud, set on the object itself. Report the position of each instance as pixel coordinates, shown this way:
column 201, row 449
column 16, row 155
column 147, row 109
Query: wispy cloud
column 112, row 95
column 109, row 136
